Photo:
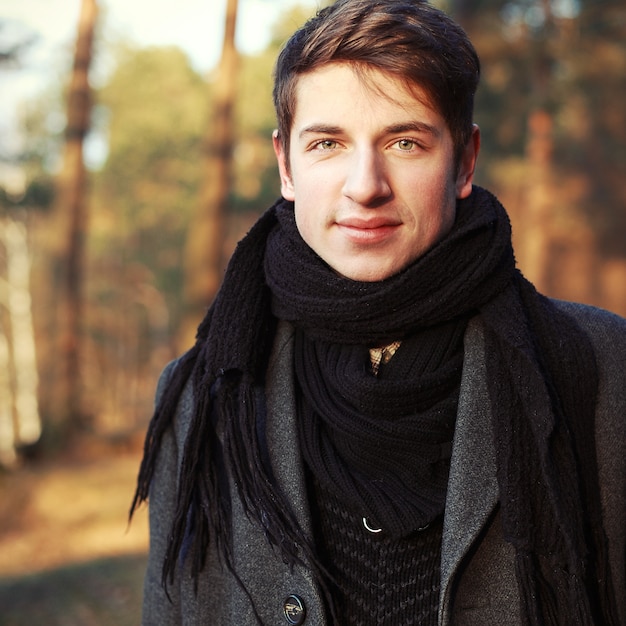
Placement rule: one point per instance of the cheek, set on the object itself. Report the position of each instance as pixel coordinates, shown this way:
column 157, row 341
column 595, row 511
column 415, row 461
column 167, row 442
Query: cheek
column 304, row 223
column 444, row 195
column 443, row 212
column 311, row 209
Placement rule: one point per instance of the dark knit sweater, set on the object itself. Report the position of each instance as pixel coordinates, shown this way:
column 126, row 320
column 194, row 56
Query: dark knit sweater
column 378, row 580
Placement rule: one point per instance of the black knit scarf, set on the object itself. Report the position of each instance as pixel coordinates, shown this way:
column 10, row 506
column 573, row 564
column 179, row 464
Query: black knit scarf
column 542, row 384
column 382, row 443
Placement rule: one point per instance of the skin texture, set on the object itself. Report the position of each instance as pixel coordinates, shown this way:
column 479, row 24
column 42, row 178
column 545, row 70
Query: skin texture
column 371, row 170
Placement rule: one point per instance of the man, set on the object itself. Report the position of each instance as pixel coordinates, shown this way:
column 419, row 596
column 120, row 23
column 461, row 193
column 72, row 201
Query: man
column 381, row 421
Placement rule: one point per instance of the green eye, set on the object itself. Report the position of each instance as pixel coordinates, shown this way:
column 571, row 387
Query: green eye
column 327, row 144
column 406, row 144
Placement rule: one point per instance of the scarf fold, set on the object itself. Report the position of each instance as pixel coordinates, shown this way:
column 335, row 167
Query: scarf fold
column 542, row 385
column 382, row 443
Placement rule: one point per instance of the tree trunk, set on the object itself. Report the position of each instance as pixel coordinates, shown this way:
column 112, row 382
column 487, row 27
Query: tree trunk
column 538, row 235
column 20, row 422
column 538, row 198
column 7, row 425
column 205, row 240
column 72, row 215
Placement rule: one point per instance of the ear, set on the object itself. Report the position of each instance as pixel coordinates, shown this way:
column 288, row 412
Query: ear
column 286, row 182
column 465, row 177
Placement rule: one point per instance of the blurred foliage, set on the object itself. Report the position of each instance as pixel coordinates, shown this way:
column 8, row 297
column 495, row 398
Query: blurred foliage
column 155, row 105
column 573, row 64
column 147, row 141
column 38, row 195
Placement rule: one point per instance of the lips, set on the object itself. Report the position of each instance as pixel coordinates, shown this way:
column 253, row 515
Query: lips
column 368, row 230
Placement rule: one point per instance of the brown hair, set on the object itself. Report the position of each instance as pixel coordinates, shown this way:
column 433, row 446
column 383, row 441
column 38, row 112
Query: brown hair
column 409, row 38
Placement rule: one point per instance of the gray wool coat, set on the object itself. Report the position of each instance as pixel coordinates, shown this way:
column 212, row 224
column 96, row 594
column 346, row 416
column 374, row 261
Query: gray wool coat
column 478, row 585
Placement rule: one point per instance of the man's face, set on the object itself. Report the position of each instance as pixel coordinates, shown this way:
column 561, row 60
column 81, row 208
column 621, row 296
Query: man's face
column 371, row 171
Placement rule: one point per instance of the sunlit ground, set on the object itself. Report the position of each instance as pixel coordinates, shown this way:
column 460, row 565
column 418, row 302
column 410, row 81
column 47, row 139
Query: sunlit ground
column 67, row 555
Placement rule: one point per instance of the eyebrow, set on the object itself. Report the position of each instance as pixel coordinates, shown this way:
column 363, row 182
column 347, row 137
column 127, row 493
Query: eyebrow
column 320, row 129
column 416, row 127
column 393, row 129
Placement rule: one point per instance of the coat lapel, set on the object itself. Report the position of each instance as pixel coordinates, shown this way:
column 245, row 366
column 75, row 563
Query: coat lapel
column 288, row 466
column 282, row 431
column 472, row 486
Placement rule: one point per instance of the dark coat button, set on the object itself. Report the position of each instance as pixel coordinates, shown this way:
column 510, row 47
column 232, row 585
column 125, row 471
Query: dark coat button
column 294, row 610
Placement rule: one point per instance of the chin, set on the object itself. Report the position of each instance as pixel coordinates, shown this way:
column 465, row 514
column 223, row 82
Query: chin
column 366, row 275
column 366, row 268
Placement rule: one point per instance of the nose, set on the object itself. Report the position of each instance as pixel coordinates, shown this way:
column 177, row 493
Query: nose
column 366, row 180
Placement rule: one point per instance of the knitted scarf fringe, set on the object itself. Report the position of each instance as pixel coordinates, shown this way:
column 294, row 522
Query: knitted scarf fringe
column 234, row 408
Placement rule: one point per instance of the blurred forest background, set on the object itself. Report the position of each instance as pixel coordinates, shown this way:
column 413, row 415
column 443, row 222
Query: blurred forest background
column 106, row 267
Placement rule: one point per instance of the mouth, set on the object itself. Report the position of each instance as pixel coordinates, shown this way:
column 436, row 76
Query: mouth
column 368, row 231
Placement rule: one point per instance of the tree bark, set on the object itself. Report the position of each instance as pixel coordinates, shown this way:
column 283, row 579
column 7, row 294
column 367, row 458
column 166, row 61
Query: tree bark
column 205, row 240
column 20, row 421
column 537, row 218
column 7, row 425
column 73, row 213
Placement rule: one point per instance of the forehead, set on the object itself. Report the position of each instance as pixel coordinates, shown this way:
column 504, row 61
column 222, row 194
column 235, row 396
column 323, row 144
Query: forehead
column 355, row 91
